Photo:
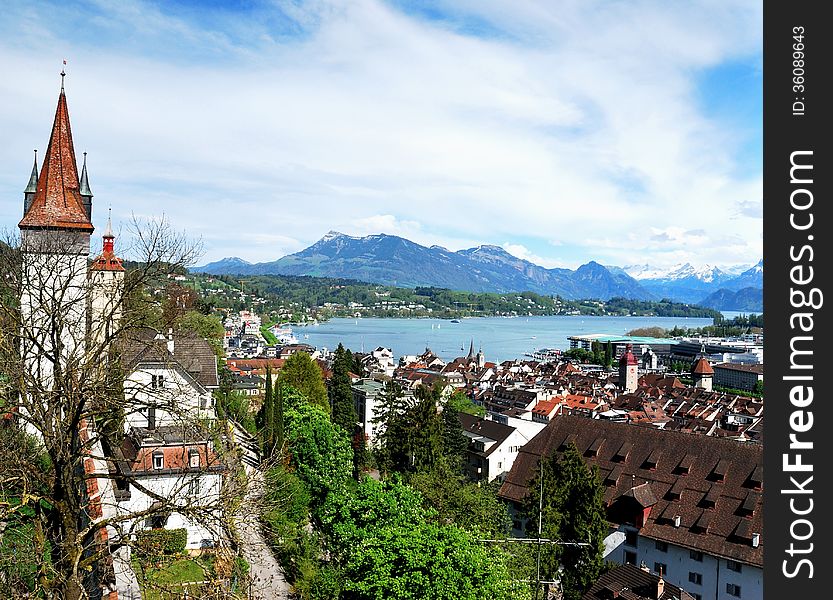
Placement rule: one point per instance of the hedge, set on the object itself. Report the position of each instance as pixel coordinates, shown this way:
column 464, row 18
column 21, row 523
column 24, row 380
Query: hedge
column 162, row 541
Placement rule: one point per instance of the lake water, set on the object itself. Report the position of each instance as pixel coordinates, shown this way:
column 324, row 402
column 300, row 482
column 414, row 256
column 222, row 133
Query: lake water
column 501, row 338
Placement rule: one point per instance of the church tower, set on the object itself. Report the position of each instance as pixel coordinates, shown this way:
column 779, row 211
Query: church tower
column 55, row 242
column 702, row 372
column 106, row 287
column 628, row 371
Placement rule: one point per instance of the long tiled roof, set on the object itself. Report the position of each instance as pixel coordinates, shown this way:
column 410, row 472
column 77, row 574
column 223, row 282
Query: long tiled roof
column 714, row 485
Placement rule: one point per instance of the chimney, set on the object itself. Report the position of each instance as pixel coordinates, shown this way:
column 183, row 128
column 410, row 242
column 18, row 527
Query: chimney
column 756, row 539
column 660, row 587
column 170, row 340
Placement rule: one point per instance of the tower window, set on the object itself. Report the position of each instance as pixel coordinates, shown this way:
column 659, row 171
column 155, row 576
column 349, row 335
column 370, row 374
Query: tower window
column 158, row 460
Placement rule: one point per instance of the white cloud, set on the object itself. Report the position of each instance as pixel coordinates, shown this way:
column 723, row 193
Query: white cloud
column 580, row 122
column 523, row 252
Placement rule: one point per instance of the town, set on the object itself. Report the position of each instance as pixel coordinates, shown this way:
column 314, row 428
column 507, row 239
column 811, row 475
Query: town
column 176, row 432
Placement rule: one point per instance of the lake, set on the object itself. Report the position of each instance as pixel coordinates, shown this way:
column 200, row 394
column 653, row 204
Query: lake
column 501, row 338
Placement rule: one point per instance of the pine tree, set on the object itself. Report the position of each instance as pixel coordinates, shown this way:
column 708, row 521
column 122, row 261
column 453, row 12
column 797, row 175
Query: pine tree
column 573, row 511
column 341, row 394
column 608, row 354
column 389, row 404
column 455, row 442
column 268, row 418
column 279, row 418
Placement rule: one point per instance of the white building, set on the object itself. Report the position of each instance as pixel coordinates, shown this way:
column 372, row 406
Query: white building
column 689, row 505
column 492, row 448
column 170, row 447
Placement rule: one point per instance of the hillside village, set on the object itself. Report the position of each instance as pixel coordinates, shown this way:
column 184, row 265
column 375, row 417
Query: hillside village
column 165, row 439
column 680, row 505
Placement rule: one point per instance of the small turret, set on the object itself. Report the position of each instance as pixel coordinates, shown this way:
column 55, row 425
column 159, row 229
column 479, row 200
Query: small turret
column 85, row 191
column 702, row 372
column 628, row 371
column 32, row 188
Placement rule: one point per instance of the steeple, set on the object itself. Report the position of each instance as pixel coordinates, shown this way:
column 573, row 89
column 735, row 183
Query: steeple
column 29, row 192
column 57, row 202
column 107, row 260
column 471, row 350
column 85, row 191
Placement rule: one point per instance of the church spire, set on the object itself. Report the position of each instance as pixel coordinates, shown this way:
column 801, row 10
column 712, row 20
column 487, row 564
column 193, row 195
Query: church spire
column 85, row 191
column 57, row 202
column 107, row 260
column 32, row 187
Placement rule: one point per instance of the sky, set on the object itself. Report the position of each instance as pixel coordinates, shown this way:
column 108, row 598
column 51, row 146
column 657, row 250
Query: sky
column 564, row 131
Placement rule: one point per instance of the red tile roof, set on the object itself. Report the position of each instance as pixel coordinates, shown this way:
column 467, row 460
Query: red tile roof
column 702, row 367
column 695, row 477
column 57, row 202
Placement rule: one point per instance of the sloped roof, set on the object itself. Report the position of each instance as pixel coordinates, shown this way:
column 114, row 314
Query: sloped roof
column 191, row 352
column 485, row 427
column 702, row 367
column 57, row 202
column 716, row 468
column 632, row 583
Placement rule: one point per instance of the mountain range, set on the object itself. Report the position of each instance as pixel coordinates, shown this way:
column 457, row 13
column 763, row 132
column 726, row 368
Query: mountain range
column 392, row 260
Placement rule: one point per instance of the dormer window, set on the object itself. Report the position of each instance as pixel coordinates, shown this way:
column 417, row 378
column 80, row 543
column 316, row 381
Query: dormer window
column 684, row 468
column 193, row 458
column 653, row 460
column 623, row 452
column 720, row 469
column 158, row 460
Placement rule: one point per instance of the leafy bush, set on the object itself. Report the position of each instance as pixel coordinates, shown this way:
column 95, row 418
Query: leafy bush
column 162, row 541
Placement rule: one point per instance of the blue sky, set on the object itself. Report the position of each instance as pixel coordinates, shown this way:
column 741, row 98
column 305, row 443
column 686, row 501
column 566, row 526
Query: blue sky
column 622, row 132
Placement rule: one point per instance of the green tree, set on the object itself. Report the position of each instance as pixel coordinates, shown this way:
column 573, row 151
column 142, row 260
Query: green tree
column 303, row 374
column 474, row 507
column 278, row 419
column 414, row 437
column 573, row 511
column 462, row 403
column 340, row 392
column 389, row 405
column 319, row 451
column 596, row 348
column 208, row 327
column 455, row 443
column 389, row 546
column 266, row 416
column 608, row 356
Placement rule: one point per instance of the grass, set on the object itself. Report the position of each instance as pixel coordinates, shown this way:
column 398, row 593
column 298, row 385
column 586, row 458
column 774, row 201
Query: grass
column 268, row 335
column 166, row 581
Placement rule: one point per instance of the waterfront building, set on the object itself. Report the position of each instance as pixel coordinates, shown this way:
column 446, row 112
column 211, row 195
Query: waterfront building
column 688, row 505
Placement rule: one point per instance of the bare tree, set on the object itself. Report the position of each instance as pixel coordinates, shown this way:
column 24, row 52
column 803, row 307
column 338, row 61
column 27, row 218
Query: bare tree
column 87, row 421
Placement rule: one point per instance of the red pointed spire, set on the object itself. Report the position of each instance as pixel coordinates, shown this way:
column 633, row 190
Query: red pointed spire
column 57, row 203
column 107, row 260
column 628, row 358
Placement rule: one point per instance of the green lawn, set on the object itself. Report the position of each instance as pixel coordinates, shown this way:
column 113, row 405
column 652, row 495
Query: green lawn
column 165, row 581
column 270, row 337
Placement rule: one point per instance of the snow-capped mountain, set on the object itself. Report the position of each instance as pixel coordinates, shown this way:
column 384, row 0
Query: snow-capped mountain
column 705, row 273
column 645, row 271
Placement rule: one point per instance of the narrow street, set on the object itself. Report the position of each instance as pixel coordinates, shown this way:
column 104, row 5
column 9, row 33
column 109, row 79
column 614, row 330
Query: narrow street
column 268, row 581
